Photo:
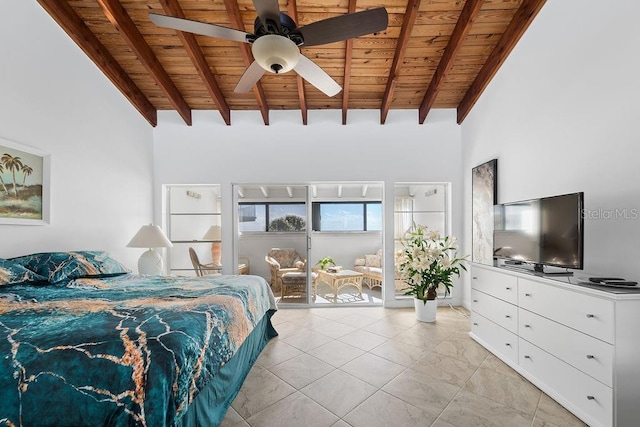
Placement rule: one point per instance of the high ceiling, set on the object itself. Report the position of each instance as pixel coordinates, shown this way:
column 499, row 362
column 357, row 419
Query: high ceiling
column 433, row 54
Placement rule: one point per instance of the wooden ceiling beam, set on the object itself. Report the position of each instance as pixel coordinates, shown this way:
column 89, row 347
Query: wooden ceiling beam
column 460, row 32
column 172, row 7
column 292, row 10
column 348, row 55
column 71, row 23
column 401, row 47
column 245, row 49
column 119, row 18
column 518, row 25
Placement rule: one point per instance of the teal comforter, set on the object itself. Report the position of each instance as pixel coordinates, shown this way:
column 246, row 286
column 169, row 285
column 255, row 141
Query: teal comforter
column 126, row 350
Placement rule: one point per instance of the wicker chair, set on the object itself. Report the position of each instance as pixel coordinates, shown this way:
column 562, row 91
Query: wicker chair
column 202, row 269
column 288, row 271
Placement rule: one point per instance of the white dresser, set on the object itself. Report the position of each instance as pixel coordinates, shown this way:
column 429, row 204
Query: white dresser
column 580, row 344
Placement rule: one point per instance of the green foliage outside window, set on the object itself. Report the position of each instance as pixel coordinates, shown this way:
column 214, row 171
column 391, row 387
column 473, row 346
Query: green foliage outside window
column 288, row 223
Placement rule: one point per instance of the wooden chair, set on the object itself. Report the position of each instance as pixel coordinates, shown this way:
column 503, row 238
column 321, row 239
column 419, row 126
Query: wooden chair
column 244, row 265
column 202, row 269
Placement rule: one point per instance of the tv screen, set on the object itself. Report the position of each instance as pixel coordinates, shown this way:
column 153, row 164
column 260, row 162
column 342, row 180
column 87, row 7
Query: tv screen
column 545, row 231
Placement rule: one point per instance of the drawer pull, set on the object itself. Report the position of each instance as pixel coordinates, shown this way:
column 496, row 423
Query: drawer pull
column 527, row 357
column 475, row 300
column 590, row 316
column 527, row 326
column 590, row 356
column 475, row 324
column 591, row 398
column 475, row 277
column 507, row 316
column 508, row 288
column 507, row 344
column 527, row 295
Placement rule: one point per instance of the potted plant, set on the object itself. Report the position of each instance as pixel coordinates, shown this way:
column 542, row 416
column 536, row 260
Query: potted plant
column 425, row 262
column 324, row 262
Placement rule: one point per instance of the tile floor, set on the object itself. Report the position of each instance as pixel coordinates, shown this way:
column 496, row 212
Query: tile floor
column 371, row 366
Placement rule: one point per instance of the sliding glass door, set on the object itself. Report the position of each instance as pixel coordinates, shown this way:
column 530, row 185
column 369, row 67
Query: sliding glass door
column 285, row 230
column 272, row 223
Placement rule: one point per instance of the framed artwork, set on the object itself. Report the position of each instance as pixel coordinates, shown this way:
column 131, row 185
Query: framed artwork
column 484, row 190
column 24, row 184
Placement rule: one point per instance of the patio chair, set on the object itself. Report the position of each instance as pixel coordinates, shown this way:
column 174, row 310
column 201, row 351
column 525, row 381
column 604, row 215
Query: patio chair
column 202, row 269
column 288, row 271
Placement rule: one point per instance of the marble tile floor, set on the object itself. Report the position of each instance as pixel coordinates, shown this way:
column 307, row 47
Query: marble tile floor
column 371, row 366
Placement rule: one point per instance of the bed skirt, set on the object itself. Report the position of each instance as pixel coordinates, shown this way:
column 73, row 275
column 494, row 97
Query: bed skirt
column 211, row 404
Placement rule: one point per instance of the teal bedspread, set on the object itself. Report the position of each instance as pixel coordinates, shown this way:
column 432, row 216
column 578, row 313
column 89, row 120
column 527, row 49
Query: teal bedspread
column 128, row 350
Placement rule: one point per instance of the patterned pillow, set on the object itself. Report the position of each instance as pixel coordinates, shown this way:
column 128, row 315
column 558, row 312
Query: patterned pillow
column 372, row 261
column 61, row 266
column 380, row 254
column 12, row 273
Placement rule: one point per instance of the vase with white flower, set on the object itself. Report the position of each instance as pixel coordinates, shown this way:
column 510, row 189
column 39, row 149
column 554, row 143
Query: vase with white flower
column 425, row 262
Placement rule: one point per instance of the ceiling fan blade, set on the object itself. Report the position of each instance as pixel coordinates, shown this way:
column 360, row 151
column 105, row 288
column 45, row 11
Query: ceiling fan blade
column 315, row 75
column 250, row 77
column 268, row 10
column 197, row 27
column 345, row 27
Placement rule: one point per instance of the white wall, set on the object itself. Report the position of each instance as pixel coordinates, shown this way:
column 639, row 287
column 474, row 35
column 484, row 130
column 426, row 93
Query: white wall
column 561, row 116
column 53, row 98
column 247, row 152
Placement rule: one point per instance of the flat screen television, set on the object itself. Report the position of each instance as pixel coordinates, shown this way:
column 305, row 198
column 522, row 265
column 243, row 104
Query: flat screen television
column 543, row 232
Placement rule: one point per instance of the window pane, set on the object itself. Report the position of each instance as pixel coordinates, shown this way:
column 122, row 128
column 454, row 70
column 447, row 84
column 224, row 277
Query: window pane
column 287, row 217
column 194, row 199
column 341, row 217
column 252, row 217
column 374, row 216
column 191, row 227
column 420, row 204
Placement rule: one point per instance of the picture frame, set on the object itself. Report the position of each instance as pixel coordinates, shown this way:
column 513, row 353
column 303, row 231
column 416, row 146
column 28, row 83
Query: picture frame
column 24, row 184
column 484, row 189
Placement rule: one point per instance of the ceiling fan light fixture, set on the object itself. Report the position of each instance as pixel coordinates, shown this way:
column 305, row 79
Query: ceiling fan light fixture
column 276, row 54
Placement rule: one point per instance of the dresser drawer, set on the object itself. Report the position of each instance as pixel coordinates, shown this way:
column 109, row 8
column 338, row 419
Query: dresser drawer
column 591, row 315
column 494, row 283
column 588, row 354
column 503, row 343
column 589, row 399
column 496, row 310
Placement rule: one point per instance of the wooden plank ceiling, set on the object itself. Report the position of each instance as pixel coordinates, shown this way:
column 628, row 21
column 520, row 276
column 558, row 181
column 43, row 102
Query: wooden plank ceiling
column 433, row 54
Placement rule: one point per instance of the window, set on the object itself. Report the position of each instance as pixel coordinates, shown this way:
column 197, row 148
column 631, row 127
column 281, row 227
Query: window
column 347, row 216
column 418, row 203
column 191, row 211
column 272, row 217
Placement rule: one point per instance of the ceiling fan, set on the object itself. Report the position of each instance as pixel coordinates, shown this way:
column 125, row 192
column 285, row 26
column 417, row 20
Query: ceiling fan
column 276, row 40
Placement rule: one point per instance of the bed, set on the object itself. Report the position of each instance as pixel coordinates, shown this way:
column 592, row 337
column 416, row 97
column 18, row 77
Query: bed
column 85, row 342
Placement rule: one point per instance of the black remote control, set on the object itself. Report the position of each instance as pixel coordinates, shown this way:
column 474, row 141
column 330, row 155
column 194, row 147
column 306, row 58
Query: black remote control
column 604, row 279
column 619, row 283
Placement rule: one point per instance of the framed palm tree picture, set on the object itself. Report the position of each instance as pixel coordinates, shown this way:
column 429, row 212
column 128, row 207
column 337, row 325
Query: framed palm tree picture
column 484, row 189
column 24, row 184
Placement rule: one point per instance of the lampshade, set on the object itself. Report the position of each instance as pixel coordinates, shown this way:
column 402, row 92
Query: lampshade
column 150, row 236
column 213, row 233
column 276, row 54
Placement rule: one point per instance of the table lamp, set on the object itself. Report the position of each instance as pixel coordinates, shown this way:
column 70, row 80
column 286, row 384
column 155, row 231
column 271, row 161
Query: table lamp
column 214, row 234
column 150, row 236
